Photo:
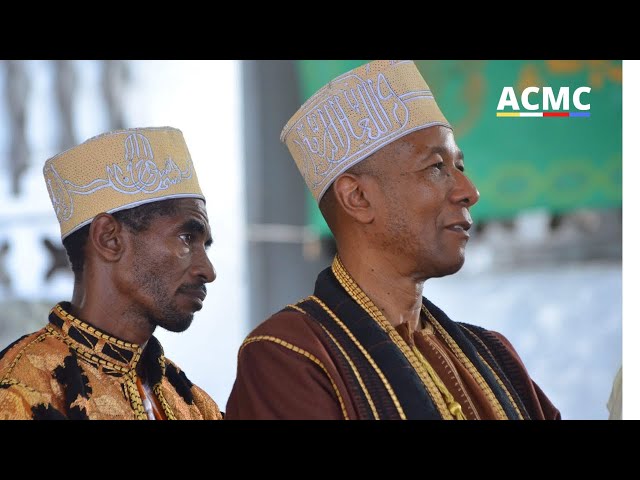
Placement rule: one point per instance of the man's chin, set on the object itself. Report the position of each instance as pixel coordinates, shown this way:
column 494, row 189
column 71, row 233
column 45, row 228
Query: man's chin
column 450, row 268
column 177, row 325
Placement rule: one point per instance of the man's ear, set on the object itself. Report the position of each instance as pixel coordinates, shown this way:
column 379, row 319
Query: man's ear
column 353, row 193
column 106, row 237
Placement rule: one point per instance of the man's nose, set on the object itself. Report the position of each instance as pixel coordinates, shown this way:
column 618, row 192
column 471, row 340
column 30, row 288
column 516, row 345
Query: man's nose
column 203, row 268
column 464, row 191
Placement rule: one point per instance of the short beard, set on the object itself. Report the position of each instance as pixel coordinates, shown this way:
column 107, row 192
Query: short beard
column 169, row 318
column 166, row 313
column 172, row 321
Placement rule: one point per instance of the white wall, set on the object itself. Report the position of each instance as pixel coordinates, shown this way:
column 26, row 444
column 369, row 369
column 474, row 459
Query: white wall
column 202, row 98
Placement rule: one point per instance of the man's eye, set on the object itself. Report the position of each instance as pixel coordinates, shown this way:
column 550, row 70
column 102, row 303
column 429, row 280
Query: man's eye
column 186, row 238
column 439, row 165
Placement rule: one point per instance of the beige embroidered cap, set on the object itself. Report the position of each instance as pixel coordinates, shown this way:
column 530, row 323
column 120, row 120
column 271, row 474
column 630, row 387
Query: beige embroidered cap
column 356, row 114
column 119, row 170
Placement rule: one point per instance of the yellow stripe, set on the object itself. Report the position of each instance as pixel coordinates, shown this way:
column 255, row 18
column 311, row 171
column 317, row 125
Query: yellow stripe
column 384, row 380
column 134, row 397
column 353, row 367
column 357, row 374
column 520, row 417
column 493, row 401
column 295, row 307
column 304, row 353
column 515, row 405
column 163, row 402
column 507, row 114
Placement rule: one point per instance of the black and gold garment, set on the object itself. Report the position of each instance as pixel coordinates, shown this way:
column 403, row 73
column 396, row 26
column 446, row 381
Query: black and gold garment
column 334, row 355
column 70, row 370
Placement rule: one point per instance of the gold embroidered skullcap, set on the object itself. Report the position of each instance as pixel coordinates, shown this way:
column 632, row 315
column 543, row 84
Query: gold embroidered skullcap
column 355, row 115
column 119, row 170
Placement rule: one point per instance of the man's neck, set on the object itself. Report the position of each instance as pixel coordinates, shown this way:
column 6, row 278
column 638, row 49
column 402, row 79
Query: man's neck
column 397, row 295
column 99, row 310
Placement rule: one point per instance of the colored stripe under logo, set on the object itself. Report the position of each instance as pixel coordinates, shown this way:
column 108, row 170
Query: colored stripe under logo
column 543, row 114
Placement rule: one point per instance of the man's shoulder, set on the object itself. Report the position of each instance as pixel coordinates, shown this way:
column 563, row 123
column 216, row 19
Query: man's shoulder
column 485, row 335
column 288, row 328
column 26, row 367
column 194, row 395
column 26, row 347
column 285, row 320
column 469, row 330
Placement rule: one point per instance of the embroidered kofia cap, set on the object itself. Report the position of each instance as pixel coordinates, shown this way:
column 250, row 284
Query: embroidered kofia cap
column 119, row 170
column 355, row 115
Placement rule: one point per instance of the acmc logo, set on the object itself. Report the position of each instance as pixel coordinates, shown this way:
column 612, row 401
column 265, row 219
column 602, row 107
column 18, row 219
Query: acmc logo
column 552, row 105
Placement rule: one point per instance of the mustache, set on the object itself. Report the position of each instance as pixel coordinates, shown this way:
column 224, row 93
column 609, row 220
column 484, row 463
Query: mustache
column 187, row 287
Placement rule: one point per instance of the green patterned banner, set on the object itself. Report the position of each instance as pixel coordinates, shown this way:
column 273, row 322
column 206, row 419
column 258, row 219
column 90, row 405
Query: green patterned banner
column 518, row 163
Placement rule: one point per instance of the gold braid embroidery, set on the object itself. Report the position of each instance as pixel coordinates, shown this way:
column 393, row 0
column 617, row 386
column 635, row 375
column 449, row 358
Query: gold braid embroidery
column 304, row 353
column 95, row 357
column 357, row 374
column 454, row 407
column 295, row 307
column 374, row 312
column 373, row 364
column 158, row 391
column 163, row 402
column 351, row 364
column 493, row 401
column 13, row 382
column 12, row 365
column 98, row 358
column 85, row 326
column 515, row 405
column 99, row 353
column 81, row 350
column 134, row 397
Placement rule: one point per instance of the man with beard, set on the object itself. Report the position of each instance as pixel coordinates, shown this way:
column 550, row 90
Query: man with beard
column 135, row 227
column 382, row 162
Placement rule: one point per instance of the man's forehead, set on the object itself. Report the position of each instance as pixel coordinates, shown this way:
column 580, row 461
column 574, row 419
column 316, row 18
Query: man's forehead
column 428, row 138
column 192, row 205
column 185, row 209
column 420, row 144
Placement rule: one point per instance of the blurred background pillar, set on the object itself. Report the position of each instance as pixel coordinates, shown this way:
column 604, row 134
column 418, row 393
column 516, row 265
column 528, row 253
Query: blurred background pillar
column 17, row 88
column 66, row 84
column 284, row 255
column 115, row 77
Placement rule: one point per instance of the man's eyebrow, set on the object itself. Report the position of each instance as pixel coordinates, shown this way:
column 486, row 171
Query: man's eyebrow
column 458, row 154
column 196, row 226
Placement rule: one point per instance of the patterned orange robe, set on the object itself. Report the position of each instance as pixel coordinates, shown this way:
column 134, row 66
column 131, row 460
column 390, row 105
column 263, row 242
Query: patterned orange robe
column 70, row 370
